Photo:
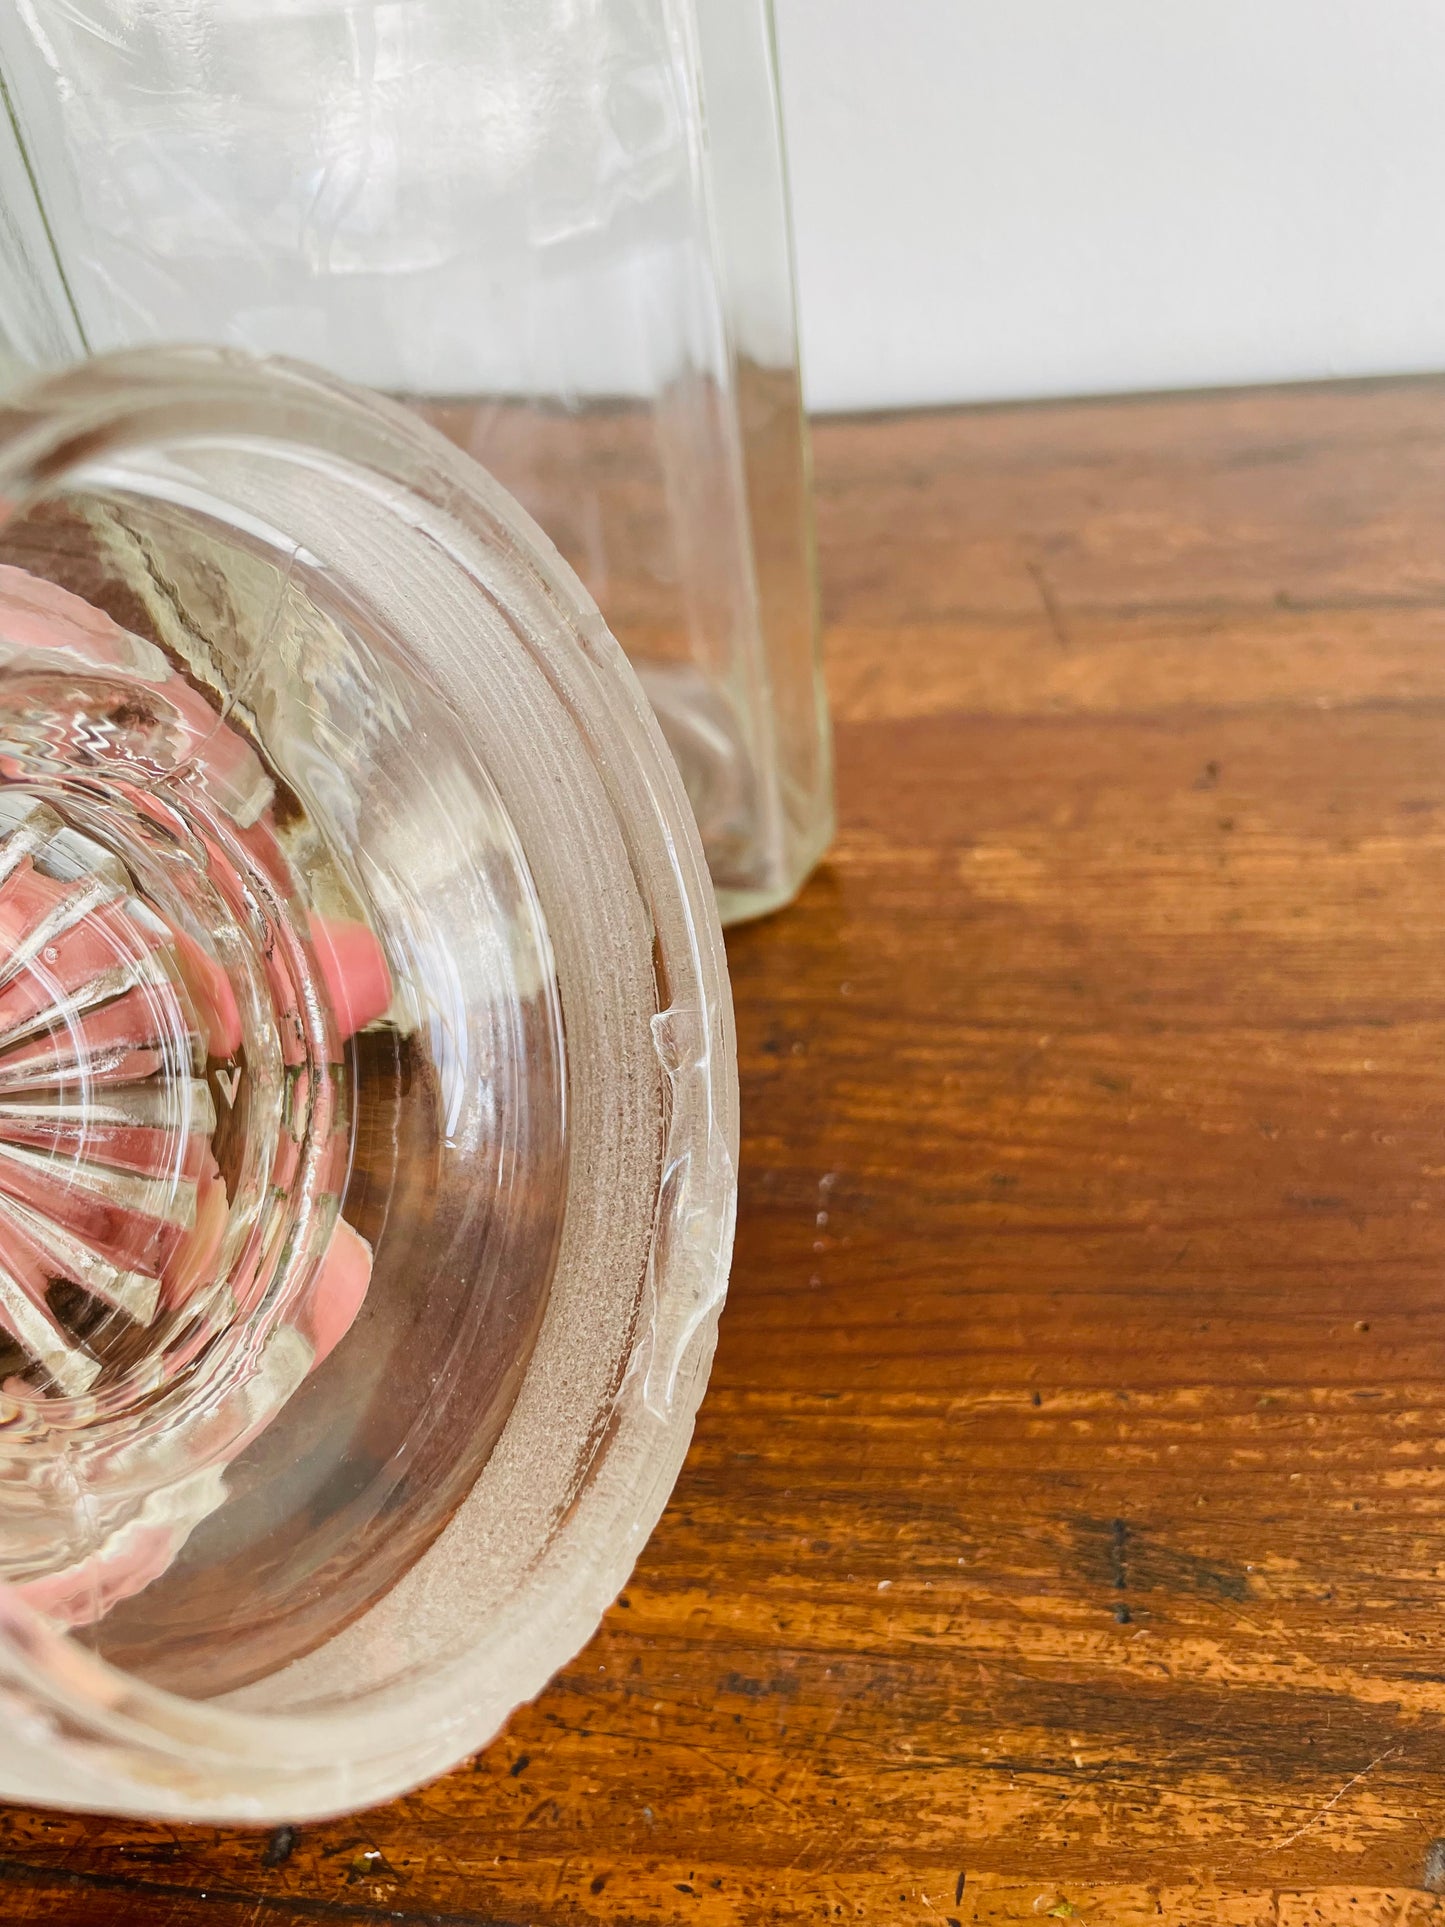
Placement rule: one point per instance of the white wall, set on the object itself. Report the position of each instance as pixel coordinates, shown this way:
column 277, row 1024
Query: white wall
column 1033, row 197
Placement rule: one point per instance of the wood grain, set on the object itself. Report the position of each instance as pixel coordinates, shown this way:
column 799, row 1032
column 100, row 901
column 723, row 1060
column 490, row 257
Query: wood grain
column 1064, row 1534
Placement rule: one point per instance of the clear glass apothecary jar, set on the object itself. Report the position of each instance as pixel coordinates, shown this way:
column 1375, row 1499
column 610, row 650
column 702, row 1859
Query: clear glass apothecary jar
column 557, row 227
column 367, row 1098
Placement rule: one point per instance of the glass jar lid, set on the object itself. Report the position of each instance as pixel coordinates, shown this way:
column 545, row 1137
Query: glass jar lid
column 367, row 1097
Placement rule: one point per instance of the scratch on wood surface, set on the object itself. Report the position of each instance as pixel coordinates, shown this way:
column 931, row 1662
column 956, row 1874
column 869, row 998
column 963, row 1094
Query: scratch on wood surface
column 1289, row 1839
column 1051, row 606
column 732, row 1776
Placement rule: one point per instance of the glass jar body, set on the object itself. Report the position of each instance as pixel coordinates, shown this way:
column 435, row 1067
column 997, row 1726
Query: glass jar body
column 561, row 233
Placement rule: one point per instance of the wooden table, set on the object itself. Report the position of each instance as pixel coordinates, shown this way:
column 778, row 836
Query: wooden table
column 1064, row 1534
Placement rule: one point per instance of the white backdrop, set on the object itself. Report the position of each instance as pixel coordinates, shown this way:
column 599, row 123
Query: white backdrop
column 1035, row 197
